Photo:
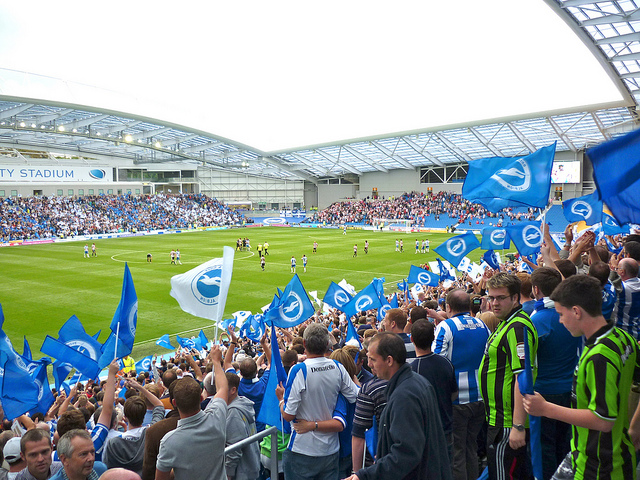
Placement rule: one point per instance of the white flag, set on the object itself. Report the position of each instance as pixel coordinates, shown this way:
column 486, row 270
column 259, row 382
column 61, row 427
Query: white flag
column 202, row 291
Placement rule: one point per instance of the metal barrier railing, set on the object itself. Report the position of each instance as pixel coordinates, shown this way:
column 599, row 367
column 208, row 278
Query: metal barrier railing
column 273, row 463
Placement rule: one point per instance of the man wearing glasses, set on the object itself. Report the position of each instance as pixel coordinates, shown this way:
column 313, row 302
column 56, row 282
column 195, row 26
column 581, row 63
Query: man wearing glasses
column 507, row 432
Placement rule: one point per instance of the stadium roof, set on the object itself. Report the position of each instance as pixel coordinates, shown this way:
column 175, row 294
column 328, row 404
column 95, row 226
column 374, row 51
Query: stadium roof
column 39, row 112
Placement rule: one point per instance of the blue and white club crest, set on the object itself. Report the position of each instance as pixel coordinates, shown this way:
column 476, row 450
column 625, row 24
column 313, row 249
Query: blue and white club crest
column 206, row 286
column 581, row 208
column 456, row 246
column 340, row 298
column 497, row 236
column 516, row 178
column 146, row 363
column 132, row 318
column 84, row 347
column 423, row 278
column 532, row 236
column 384, row 309
column 608, row 220
column 292, row 309
column 363, row 302
column 40, row 388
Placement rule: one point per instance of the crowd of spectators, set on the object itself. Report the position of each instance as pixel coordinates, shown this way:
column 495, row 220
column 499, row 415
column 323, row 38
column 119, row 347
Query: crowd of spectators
column 416, row 207
column 23, row 218
column 417, row 372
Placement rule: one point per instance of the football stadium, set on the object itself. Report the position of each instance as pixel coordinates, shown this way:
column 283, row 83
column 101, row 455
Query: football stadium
column 165, row 174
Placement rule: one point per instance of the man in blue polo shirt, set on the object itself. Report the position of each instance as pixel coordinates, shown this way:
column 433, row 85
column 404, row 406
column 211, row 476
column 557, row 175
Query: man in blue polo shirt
column 558, row 354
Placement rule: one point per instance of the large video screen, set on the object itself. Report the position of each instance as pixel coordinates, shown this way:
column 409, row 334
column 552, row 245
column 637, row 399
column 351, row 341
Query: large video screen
column 565, row 172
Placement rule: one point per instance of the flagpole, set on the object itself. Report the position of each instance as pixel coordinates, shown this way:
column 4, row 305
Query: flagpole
column 115, row 353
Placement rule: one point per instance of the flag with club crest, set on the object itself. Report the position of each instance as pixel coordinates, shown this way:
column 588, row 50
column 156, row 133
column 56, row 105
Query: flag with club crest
column 423, row 277
column 366, row 299
column 494, row 238
column 336, row 296
column 526, row 236
column 587, row 208
column 498, row 182
column 456, row 248
column 292, row 308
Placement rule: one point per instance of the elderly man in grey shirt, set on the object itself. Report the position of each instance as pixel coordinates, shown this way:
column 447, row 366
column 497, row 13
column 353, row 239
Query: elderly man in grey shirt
column 195, row 450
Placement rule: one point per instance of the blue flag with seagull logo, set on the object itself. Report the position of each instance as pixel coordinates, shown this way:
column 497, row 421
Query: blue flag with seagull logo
column 499, row 182
column 423, row 277
column 336, row 296
column 456, row 248
column 587, row 208
column 366, row 299
column 292, row 308
column 165, row 342
column 527, row 237
column 495, row 238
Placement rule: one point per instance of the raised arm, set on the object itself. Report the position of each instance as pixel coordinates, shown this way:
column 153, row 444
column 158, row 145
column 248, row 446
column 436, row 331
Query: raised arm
column 228, row 357
column 222, row 386
column 109, row 395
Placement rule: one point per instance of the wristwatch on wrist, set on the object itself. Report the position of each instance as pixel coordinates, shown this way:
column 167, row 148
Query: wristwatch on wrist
column 519, row 427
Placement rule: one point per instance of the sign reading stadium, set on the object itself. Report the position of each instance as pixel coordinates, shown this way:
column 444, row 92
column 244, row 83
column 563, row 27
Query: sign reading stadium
column 54, row 173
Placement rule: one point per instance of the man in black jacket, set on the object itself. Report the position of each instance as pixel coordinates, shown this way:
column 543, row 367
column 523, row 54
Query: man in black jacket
column 411, row 442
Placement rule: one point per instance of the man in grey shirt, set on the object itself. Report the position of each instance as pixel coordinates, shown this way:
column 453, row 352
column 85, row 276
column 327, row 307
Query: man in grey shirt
column 35, row 450
column 195, row 450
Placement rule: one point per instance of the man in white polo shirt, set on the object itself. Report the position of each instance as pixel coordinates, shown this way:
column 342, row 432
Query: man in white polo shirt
column 311, row 394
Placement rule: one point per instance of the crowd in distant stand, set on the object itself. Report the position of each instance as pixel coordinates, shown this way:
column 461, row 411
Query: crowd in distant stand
column 416, row 207
column 23, row 218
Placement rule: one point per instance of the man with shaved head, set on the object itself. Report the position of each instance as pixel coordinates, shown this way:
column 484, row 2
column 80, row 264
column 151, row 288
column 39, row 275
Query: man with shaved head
column 626, row 310
column 462, row 339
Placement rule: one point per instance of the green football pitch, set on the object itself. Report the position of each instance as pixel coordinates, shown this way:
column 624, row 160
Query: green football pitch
column 43, row 285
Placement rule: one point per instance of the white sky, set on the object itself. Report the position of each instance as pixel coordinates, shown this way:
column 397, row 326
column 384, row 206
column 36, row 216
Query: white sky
column 288, row 73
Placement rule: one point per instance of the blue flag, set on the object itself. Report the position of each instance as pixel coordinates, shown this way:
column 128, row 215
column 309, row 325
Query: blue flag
column 491, row 258
column 73, row 335
column 587, row 208
column 525, row 384
column 498, row 182
column 611, row 227
column 292, row 308
column 164, row 342
column 269, row 413
column 40, row 378
column 383, row 308
column 186, row 342
column 69, row 355
column 19, row 392
column 616, row 171
column 144, row 364
column 423, row 277
column 404, row 286
column 61, row 371
column 444, row 272
column 495, row 238
column 394, row 301
column 336, row 296
column 366, row 299
column 119, row 344
column 456, row 248
column 526, row 236
column 26, row 351
column 253, row 328
column 203, row 339
column 126, row 316
column 352, row 337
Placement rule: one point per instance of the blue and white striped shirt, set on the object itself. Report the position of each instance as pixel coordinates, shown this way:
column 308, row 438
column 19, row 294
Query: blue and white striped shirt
column 626, row 310
column 462, row 340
